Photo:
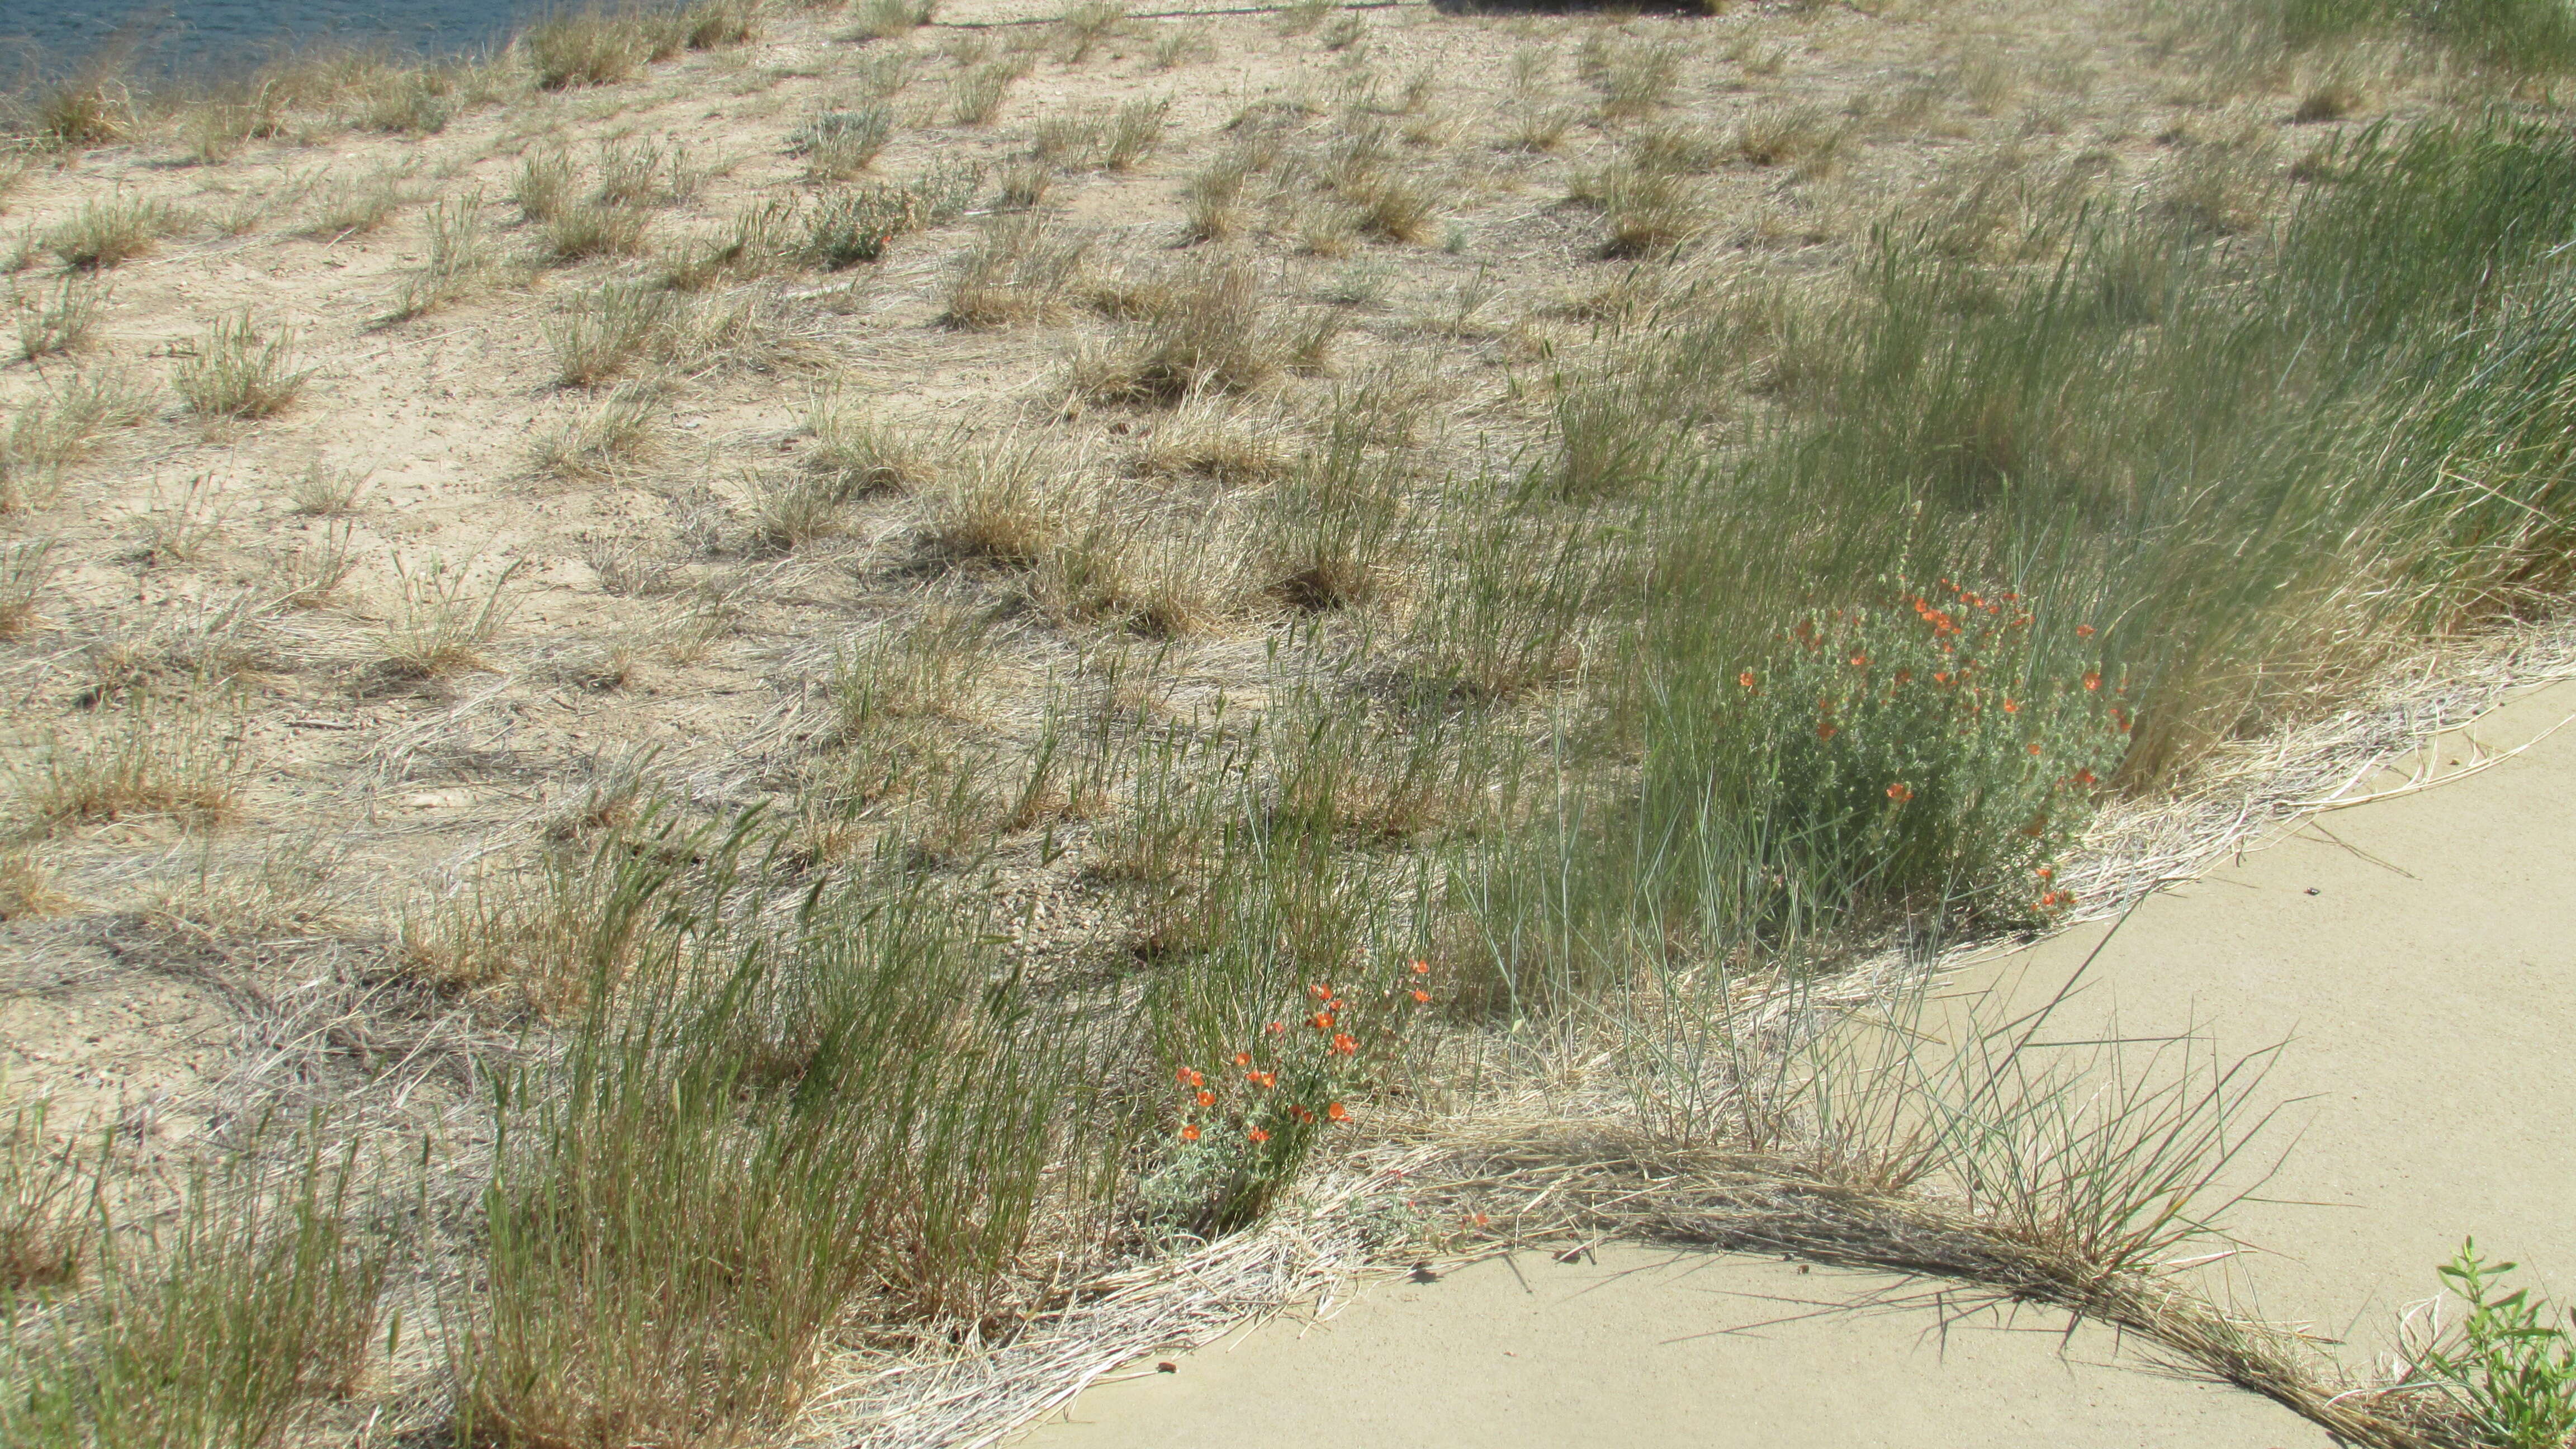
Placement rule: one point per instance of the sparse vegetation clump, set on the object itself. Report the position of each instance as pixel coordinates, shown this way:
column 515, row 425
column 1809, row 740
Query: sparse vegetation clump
column 240, row 371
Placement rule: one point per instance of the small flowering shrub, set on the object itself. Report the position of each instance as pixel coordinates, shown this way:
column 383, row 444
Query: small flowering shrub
column 1244, row 1123
column 1930, row 749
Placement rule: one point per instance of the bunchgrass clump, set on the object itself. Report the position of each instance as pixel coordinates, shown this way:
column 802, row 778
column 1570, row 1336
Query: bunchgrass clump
column 442, row 619
column 1020, row 270
column 103, row 234
column 838, row 145
column 599, row 442
column 593, row 47
column 605, row 333
column 167, row 758
column 253, row 1301
column 57, row 320
column 861, row 454
column 238, row 371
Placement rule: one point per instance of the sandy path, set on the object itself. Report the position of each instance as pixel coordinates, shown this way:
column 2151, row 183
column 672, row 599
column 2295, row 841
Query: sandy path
column 2413, row 952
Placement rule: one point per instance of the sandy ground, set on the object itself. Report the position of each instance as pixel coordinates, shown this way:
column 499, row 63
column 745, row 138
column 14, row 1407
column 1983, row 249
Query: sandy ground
column 2403, row 949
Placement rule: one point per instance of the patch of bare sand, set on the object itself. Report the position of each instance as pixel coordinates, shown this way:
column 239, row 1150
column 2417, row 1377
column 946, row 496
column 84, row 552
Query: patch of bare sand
column 2410, row 951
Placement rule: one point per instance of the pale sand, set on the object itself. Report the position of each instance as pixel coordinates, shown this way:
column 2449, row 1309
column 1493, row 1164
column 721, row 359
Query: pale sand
column 2423, row 992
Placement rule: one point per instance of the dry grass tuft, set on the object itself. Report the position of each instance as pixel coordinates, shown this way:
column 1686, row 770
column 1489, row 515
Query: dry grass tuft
column 26, row 566
column 1206, row 331
column 240, row 373
column 1001, row 502
column 1020, row 270
column 861, row 455
column 103, row 234
column 838, row 145
column 441, row 621
column 596, row 444
column 168, row 758
column 56, row 321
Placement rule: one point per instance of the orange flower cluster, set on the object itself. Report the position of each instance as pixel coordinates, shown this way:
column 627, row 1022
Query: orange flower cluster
column 1315, row 1068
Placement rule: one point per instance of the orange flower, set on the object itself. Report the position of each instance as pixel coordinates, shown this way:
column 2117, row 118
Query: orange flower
column 2011, row 705
column 1264, row 1080
column 1243, row 1059
column 1321, row 1021
column 1941, row 678
column 2047, row 872
column 1337, row 1112
column 1320, row 991
column 2092, row 681
column 1344, row 1044
column 1207, row 1099
column 1421, row 995
column 1421, row 968
column 1276, row 1028
column 2049, row 899
column 2034, row 747
column 1825, row 729
column 1189, row 1078
column 1900, row 792
column 1257, row 1135
column 2083, row 631
column 1481, row 1220
column 1859, row 659
column 1300, row 1113
column 1745, row 679
column 2084, row 777
column 1189, row 1132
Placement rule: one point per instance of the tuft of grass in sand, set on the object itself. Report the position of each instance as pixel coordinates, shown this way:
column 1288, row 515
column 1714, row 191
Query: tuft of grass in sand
column 239, row 371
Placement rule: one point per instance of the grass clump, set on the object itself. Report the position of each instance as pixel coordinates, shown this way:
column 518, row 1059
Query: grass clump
column 838, row 145
column 45, row 1222
column 456, row 259
column 860, row 454
column 1207, row 331
column 605, row 333
column 26, row 567
column 103, row 234
column 239, row 372
column 1020, row 270
column 596, row 444
column 682, row 1209
column 61, row 320
column 441, row 621
column 226, row 1326
column 167, row 759
column 591, row 47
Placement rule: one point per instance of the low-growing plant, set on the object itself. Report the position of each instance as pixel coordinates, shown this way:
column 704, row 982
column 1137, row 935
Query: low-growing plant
column 838, row 145
column 861, row 454
column 165, row 758
column 26, row 567
column 1002, row 502
column 592, row 47
column 1135, row 132
column 58, row 320
column 1020, row 270
column 598, row 442
column 103, row 234
column 891, row 19
column 46, row 1223
column 975, row 95
column 456, row 259
column 225, row 1325
column 603, row 334
column 240, row 371
column 2508, row 1366
column 441, row 620
column 1086, row 24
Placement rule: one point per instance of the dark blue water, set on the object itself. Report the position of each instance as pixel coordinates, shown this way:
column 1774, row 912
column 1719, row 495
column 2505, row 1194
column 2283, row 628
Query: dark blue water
column 195, row 36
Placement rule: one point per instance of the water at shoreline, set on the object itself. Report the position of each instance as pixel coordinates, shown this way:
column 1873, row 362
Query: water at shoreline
column 190, row 36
